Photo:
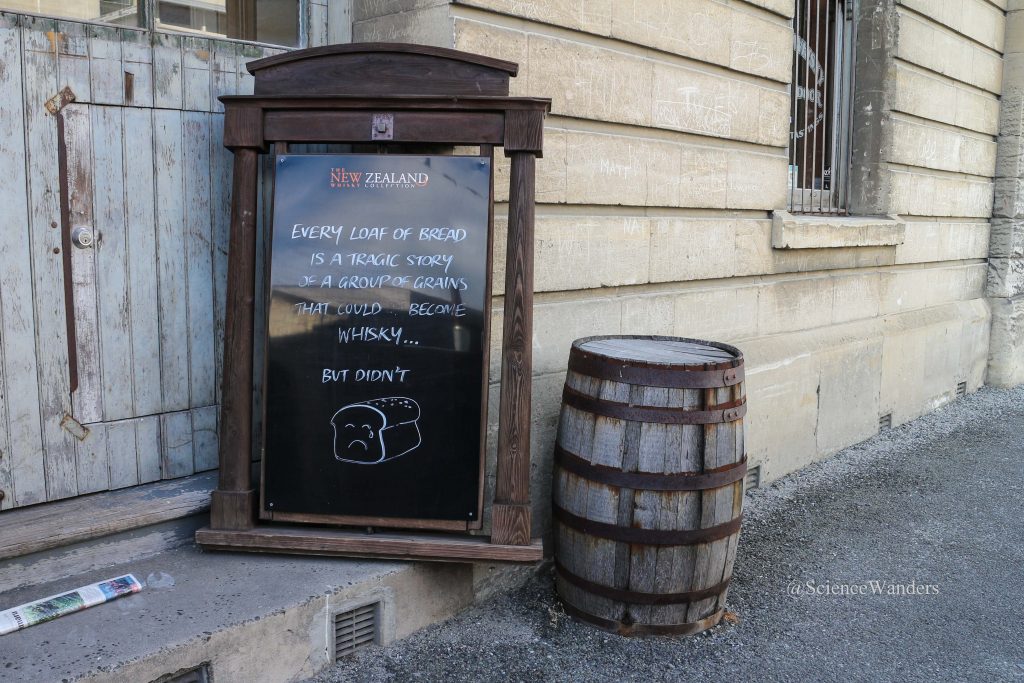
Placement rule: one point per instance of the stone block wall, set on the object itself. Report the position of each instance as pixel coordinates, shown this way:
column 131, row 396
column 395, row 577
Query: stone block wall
column 664, row 158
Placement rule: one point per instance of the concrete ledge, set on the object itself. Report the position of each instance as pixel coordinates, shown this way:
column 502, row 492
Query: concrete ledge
column 266, row 618
column 810, row 231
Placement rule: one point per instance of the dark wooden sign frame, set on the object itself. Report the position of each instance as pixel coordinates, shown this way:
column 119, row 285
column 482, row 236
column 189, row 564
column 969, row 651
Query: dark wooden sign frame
column 388, row 95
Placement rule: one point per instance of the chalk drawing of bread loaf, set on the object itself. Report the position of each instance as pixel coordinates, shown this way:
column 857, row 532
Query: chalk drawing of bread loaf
column 377, row 430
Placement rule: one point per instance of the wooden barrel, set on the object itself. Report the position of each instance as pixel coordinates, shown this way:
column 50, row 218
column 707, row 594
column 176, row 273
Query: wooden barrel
column 648, row 482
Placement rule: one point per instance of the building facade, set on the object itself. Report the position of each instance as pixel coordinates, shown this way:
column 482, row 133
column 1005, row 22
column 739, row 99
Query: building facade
column 666, row 196
column 867, row 286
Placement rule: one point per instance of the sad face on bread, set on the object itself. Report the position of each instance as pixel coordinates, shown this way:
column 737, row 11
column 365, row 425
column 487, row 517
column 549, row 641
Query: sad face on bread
column 376, row 430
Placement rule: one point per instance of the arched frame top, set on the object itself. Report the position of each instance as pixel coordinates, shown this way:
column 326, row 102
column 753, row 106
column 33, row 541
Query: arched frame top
column 511, row 68
column 381, row 69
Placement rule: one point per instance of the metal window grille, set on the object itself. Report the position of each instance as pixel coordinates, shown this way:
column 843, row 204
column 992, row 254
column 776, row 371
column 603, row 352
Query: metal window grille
column 821, row 123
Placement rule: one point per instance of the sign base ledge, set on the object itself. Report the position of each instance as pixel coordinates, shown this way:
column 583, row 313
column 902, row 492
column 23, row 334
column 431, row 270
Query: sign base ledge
column 305, row 540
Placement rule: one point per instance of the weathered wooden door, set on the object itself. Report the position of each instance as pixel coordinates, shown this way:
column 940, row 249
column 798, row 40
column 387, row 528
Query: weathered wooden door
column 140, row 181
column 109, row 359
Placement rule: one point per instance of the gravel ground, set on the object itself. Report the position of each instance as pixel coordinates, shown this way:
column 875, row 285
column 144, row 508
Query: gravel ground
column 934, row 503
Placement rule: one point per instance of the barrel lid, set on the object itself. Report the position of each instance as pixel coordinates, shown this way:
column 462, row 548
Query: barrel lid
column 672, row 351
column 658, row 361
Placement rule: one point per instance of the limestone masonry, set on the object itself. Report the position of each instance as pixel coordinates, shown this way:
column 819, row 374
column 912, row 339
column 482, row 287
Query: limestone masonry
column 665, row 166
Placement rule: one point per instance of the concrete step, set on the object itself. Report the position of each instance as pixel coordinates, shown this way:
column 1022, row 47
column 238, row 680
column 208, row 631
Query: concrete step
column 247, row 617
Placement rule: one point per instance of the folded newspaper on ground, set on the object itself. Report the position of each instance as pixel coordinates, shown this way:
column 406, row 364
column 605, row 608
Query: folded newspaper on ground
column 55, row 606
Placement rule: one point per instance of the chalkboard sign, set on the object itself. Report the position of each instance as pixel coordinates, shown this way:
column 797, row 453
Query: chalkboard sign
column 379, row 291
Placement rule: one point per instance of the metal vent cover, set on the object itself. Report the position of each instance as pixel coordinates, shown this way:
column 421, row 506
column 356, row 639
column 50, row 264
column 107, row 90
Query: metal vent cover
column 885, row 422
column 961, row 389
column 356, row 629
column 752, row 479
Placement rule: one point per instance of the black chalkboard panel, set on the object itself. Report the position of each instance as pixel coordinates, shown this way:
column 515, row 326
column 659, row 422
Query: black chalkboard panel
column 377, row 337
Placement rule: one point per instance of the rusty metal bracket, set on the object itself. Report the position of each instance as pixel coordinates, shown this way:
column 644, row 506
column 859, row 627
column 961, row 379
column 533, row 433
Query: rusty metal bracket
column 65, row 242
column 734, row 414
column 65, row 97
column 74, row 427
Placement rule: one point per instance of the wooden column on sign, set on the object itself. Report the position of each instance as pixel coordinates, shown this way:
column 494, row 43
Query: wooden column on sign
column 233, row 504
column 511, row 513
column 428, row 97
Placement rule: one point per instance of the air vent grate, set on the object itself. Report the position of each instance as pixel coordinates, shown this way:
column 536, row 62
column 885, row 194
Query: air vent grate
column 752, row 480
column 885, row 422
column 356, row 629
column 961, row 389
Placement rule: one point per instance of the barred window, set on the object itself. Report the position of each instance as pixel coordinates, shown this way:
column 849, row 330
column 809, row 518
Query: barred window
column 821, row 125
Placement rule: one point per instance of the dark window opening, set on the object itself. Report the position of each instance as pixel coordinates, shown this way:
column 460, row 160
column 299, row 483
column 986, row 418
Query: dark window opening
column 264, row 21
